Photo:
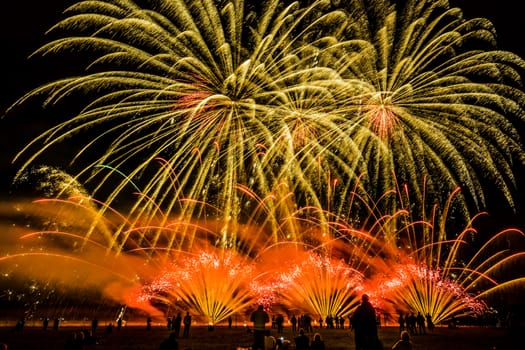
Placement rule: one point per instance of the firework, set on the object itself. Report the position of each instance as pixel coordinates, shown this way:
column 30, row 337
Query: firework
column 316, row 97
column 322, row 271
column 447, row 274
column 215, row 284
column 281, row 124
column 319, row 285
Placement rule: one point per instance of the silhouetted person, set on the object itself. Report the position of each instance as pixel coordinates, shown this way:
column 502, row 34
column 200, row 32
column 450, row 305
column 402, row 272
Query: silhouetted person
column 317, row 343
column 259, row 318
column 364, row 325
column 294, row 324
column 56, row 323
column 148, row 323
column 170, row 343
column 329, row 322
column 342, row 322
column 94, row 325
column 177, row 322
column 410, row 321
column 20, row 325
column 45, row 324
column 230, row 321
column 307, row 320
column 401, row 321
column 404, row 343
column 187, row 324
column 279, row 320
column 301, row 341
column 430, row 323
column 420, row 323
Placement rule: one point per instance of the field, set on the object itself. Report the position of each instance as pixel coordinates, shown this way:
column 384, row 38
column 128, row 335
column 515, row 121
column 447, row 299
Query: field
column 137, row 337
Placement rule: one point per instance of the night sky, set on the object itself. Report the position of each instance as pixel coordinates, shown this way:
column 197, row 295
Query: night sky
column 25, row 22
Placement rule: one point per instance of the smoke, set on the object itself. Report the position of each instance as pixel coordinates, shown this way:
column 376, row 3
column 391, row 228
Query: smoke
column 55, row 244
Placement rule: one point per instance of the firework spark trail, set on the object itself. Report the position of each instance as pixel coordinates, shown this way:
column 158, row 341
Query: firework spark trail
column 333, row 95
column 322, row 272
column 290, row 124
column 429, row 273
column 194, row 277
column 204, row 105
column 420, row 80
column 319, row 285
column 215, row 284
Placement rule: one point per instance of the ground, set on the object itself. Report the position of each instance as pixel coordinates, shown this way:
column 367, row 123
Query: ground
column 137, row 337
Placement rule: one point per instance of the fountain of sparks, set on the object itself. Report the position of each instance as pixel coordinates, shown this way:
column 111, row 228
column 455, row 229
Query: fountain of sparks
column 168, row 263
column 317, row 285
column 402, row 263
column 425, row 271
column 212, row 283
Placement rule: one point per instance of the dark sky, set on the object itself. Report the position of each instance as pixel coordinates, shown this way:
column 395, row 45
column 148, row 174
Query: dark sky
column 23, row 24
column 506, row 15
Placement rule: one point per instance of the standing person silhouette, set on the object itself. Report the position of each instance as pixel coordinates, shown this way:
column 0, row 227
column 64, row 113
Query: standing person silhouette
column 259, row 318
column 187, row 323
column 364, row 325
column 279, row 320
column 177, row 322
column 94, row 325
column 401, row 321
column 294, row 324
column 420, row 323
column 430, row 323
